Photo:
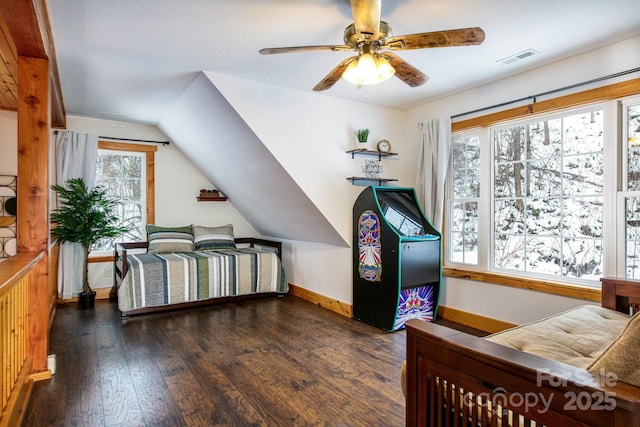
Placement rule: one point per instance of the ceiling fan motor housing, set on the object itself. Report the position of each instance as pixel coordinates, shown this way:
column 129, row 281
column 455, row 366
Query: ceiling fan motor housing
column 354, row 39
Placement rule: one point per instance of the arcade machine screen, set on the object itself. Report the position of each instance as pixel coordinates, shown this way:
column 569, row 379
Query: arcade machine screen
column 402, row 212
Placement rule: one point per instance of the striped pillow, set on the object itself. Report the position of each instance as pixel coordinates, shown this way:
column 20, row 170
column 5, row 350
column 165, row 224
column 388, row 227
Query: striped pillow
column 212, row 238
column 164, row 240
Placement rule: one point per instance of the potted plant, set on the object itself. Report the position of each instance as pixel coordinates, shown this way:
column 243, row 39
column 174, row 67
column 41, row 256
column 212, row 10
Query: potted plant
column 85, row 216
column 362, row 135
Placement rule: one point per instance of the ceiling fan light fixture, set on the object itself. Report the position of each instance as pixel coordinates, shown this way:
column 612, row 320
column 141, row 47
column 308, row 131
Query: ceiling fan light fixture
column 384, row 70
column 368, row 70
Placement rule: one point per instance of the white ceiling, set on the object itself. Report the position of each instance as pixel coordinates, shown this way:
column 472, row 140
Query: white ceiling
column 131, row 59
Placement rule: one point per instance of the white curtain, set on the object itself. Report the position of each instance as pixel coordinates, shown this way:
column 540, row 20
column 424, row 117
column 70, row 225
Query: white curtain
column 76, row 155
column 433, row 164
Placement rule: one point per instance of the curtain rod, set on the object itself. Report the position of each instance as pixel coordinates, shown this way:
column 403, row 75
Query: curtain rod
column 135, row 140
column 599, row 79
column 126, row 139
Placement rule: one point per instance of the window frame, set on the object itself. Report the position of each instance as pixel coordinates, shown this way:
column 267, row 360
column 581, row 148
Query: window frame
column 614, row 93
column 623, row 192
column 149, row 154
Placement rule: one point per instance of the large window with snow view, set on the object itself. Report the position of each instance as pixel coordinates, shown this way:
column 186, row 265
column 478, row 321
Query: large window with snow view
column 547, row 180
column 553, row 197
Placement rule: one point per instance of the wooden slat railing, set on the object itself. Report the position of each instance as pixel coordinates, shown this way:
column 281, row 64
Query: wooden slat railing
column 15, row 358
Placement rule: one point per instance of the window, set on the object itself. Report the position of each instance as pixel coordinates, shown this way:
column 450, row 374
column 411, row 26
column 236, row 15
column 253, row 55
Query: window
column 531, row 197
column 630, row 194
column 465, row 198
column 547, row 195
column 126, row 171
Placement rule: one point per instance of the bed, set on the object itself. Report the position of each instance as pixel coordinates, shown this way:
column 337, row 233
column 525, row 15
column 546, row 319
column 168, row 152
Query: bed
column 187, row 266
column 456, row 379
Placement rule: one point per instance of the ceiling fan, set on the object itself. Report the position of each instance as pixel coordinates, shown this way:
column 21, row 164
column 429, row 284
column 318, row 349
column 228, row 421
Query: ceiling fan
column 374, row 43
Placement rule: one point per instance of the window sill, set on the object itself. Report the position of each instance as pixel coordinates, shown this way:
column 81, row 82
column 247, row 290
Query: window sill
column 572, row 291
column 99, row 258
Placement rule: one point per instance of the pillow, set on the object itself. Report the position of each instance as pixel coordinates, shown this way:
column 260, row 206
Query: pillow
column 212, row 238
column 621, row 357
column 164, row 240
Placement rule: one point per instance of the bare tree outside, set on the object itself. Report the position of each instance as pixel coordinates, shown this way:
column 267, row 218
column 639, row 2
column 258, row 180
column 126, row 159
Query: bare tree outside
column 547, row 205
column 632, row 196
column 122, row 174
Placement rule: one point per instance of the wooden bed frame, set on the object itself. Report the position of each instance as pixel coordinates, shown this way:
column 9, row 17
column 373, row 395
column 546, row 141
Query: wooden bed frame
column 456, row 379
column 120, row 266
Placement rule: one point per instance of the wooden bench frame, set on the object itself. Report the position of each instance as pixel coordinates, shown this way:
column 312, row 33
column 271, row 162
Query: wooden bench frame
column 456, row 379
column 120, row 266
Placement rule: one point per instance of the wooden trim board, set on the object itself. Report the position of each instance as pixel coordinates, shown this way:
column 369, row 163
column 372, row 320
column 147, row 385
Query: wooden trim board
column 101, row 293
column 325, row 302
column 473, row 320
column 572, row 291
column 465, row 318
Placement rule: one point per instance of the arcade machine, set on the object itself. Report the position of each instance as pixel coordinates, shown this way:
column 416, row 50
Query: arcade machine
column 396, row 259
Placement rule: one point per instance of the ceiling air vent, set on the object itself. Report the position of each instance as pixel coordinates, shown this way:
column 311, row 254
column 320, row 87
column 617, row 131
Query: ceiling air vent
column 113, row 116
column 518, row 56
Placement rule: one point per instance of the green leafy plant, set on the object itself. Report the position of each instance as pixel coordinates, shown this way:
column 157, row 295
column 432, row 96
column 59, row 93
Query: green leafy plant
column 85, row 216
column 363, row 135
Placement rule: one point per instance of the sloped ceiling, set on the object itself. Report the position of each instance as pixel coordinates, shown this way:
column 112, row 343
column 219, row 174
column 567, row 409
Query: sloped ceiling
column 206, row 128
column 133, row 58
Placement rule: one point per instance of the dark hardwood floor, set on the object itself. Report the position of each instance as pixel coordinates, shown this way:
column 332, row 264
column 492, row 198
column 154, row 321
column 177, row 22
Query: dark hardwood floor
column 271, row 362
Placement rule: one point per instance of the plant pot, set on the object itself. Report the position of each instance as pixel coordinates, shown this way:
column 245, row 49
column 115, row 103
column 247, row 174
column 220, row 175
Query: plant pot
column 86, row 299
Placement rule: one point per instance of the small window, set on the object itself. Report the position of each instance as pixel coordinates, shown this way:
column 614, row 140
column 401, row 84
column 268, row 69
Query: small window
column 128, row 172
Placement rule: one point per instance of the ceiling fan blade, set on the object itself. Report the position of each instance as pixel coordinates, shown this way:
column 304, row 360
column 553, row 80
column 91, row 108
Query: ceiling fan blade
column 366, row 18
column 405, row 71
column 460, row 37
column 294, row 49
column 334, row 75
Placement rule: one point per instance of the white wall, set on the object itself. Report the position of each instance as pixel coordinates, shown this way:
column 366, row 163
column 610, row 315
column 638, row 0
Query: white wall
column 177, row 185
column 501, row 302
column 309, row 134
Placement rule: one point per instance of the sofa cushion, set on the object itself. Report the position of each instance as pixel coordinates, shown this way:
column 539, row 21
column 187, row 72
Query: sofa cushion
column 576, row 337
column 169, row 239
column 212, row 238
column 621, row 358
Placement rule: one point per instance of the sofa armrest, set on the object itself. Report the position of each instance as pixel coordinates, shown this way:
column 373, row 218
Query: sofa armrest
column 120, row 262
column 442, row 361
column 254, row 241
column 621, row 294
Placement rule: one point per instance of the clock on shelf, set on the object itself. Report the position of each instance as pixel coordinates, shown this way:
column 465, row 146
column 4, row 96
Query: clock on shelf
column 384, row 146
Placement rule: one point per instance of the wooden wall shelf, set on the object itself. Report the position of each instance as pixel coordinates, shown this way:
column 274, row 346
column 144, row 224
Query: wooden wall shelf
column 212, row 199
column 363, row 180
column 365, row 152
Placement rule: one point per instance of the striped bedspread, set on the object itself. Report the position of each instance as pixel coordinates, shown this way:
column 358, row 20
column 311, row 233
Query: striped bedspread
column 162, row 279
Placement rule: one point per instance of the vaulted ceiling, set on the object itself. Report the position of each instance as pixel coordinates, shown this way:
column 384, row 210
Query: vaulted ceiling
column 25, row 31
column 131, row 59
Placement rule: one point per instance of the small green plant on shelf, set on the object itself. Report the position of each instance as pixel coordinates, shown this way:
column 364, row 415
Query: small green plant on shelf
column 362, row 135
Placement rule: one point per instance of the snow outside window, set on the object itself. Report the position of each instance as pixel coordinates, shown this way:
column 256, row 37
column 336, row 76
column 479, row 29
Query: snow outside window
column 123, row 173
